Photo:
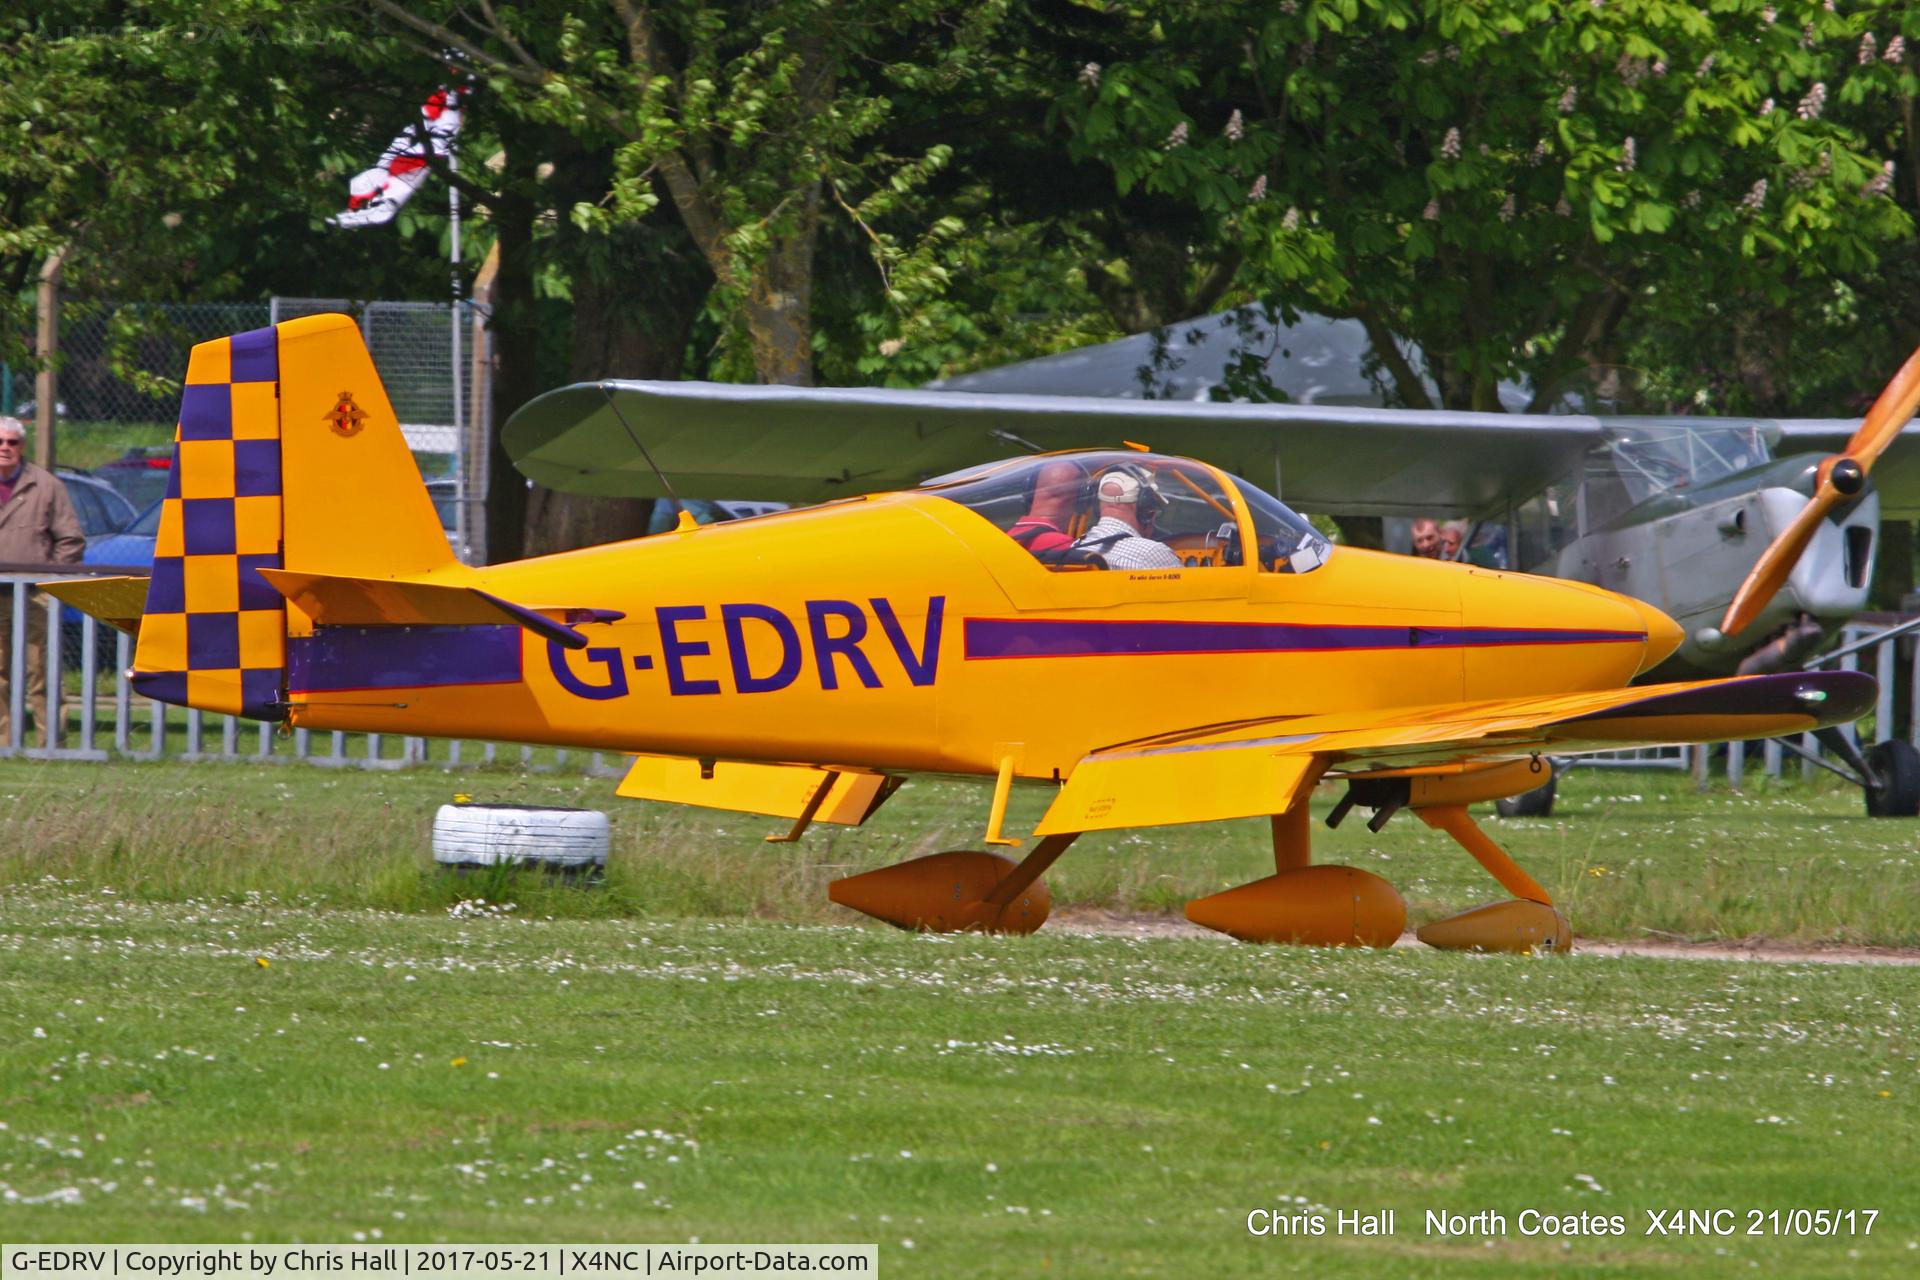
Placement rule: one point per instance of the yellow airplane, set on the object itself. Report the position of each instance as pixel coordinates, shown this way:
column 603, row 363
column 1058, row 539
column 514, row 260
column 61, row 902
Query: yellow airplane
column 799, row 664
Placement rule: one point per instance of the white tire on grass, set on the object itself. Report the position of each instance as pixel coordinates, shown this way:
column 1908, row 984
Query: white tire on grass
column 487, row 835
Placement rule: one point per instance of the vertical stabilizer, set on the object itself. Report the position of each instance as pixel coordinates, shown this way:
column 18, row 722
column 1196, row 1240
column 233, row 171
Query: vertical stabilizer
column 288, row 455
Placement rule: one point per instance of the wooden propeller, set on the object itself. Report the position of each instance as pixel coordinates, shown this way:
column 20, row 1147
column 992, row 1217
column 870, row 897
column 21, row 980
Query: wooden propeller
column 1841, row 477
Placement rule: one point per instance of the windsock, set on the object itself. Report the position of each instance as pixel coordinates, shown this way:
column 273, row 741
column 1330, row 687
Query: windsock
column 376, row 194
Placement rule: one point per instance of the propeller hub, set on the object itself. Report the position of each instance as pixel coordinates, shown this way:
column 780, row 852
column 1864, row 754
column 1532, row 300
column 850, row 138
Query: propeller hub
column 1848, row 477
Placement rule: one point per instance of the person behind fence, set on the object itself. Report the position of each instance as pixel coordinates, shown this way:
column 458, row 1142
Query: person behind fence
column 1129, row 500
column 37, row 527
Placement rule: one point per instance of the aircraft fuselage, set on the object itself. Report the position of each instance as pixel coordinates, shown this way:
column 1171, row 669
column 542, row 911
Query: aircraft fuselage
column 909, row 633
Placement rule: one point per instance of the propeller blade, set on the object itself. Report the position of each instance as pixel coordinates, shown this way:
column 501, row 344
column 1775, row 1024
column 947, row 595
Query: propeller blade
column 1889, row 414
column 1777, row 561
column 1841, row 477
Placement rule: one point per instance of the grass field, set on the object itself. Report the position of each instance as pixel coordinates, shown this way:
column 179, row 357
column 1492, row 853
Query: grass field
column 239, row 1003
column 1063, row 1105
column 1628, row 855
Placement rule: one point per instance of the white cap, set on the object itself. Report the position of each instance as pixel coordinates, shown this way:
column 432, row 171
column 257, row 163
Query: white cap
column 1120, row 487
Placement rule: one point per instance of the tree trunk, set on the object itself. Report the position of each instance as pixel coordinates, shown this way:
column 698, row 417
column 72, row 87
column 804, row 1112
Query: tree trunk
column 612, row 339
column 779, row 302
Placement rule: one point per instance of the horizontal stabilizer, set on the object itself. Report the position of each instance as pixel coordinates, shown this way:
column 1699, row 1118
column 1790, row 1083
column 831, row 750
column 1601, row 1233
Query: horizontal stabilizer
column 332, row 600
column 777, row 790
column 118, row 602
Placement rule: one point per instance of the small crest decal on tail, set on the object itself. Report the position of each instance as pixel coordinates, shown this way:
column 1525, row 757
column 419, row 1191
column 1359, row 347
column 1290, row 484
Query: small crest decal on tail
column 346, row 416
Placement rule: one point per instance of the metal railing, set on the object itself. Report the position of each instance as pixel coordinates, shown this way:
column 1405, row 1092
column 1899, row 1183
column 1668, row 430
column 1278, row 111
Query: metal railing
column 95, row 714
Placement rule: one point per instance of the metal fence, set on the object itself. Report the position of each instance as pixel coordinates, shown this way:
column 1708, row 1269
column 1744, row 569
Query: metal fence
column 95, row 714
column 122, row 363
column 444, row 411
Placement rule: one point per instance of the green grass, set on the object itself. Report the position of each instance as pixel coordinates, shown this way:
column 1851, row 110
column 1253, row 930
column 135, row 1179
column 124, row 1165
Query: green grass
column 1048, row 1105
column 1626, row 854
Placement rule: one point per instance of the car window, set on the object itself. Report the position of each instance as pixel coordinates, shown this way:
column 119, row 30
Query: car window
column 86, row 506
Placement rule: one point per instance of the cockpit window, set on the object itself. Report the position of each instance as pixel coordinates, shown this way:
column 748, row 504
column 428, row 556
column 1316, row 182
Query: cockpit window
column 1105, row 510
column 1650, row 457
column 1287, row 542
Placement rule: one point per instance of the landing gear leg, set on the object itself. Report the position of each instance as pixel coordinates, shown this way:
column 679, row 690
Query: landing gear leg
column 1528, row 923
column 1889, row 772
column 1292, row 839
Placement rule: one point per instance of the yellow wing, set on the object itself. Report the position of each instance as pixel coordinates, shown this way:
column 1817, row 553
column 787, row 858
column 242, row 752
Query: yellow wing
column 1265, row 766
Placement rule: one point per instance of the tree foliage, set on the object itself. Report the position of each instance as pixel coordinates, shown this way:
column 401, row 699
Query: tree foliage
column 1502, row 182
column 754, row 124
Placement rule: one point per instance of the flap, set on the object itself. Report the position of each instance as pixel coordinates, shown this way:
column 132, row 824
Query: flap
column 777, row 790
column 1164, row 786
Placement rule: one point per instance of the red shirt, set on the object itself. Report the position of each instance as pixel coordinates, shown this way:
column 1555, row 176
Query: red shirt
column 1038, row 535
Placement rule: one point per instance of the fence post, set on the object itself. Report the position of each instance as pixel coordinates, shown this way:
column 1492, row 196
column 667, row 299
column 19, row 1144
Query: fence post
column 17, row 672
column 122, row 694
column 1913, row 691
column 46, row 383
column 1883, row 663
column 89, row 677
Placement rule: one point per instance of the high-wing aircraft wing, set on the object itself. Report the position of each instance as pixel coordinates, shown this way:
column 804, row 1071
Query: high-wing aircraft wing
column 813, row 444
column 1896, row 474
column 1236, row 771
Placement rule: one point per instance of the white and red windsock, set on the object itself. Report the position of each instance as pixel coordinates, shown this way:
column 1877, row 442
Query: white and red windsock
column 376, row 194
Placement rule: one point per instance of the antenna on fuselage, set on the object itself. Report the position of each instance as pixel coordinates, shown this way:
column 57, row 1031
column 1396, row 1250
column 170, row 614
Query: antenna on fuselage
column 686, row 520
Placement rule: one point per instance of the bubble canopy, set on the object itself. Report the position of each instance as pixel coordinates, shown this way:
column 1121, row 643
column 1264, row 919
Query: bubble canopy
column 1205, row 515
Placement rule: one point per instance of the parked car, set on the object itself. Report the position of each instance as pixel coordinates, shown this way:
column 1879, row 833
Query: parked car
column 140, row 475
column 709, row 512
column 98, row 504
column 131, row 546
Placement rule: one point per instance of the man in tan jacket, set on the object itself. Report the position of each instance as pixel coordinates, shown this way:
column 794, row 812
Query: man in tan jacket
column 37, row 527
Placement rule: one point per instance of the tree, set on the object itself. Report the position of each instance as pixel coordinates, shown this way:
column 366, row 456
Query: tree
column 1502, row 183
column 755, row 123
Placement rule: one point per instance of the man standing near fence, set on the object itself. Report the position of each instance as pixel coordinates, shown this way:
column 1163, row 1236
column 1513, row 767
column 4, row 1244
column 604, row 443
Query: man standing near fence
column 37, row 527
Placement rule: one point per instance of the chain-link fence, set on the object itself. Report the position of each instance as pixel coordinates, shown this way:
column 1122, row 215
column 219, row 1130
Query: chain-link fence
column 121, row 362
column 120, row 366
column 430, row 371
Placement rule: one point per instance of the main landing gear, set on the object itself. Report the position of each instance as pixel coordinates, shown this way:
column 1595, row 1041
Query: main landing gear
column 1314, row 905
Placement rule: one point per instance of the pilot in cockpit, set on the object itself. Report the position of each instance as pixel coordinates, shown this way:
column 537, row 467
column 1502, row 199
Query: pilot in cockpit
column 1129, row 500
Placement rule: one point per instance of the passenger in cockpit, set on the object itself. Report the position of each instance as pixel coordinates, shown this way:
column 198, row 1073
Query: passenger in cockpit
column 1056, row 497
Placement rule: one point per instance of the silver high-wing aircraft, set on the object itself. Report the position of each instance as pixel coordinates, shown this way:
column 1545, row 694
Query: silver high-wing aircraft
column 1757, row 535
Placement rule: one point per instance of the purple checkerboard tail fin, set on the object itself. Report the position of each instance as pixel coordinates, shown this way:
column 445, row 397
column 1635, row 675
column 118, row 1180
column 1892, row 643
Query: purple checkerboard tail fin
column 288, row 455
